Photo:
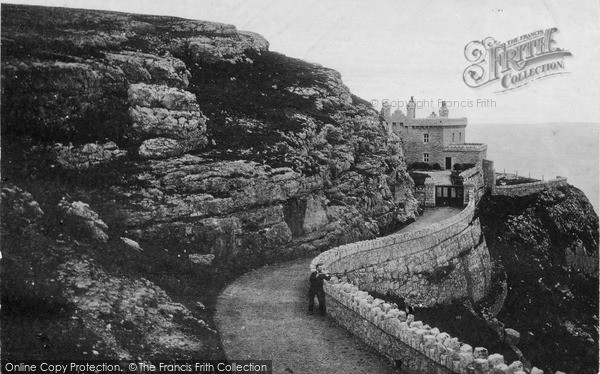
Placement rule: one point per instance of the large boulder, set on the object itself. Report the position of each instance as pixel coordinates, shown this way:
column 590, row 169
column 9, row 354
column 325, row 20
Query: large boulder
column 82, row 222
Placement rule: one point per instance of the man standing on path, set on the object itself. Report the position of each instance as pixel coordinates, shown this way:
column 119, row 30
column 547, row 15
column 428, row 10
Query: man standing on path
column 316, row 289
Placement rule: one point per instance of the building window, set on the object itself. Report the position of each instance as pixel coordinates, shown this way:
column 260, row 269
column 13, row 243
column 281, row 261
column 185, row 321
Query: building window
column 425, row 138
column 460, row 136
column 452, row 136
column 425, row 157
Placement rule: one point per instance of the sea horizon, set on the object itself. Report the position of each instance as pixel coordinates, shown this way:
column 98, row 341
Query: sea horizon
column 545, row 150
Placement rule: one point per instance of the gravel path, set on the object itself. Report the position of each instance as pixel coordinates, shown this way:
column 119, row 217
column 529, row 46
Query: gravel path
column 432, row 215
column 263, row 315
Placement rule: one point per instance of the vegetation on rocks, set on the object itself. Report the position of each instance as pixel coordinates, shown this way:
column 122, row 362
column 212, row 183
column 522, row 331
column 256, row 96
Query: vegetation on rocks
column 544, row 250
column 146, row 161
column 547, row 243
column 168, row 156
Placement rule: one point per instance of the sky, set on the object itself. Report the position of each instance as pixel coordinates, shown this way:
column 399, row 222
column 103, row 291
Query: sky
column 394, row 49
column 391, row 50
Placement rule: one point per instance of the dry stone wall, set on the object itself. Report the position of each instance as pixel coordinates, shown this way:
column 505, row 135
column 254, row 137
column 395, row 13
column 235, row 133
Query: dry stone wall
column 479, row 179
column 377, row 333
column 429, row 266
column 416, row 347
column 430, row 193
column 530, row 188
column 489, row 174
column 473, row 181
column 416, row 265
column 457, row 266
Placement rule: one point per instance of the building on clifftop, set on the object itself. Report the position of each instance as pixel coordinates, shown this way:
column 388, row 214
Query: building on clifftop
column 435, row 139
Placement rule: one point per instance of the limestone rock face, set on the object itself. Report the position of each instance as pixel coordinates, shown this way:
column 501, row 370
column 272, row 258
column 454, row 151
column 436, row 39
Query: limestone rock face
column 547, row 244
column 222, row 156
column 86, row 156
column 80, row 101
column 202, row 259
column 221, row 144
column 216, row 49
column 161, row 96
column 161, row 148
column 128, row 305
column 315, row 214
column 104, row 310
column 19, row 209
column 145, row 67
column 169, row 115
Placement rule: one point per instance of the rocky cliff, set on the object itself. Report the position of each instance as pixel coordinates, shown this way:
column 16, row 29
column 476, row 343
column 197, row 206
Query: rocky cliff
column 546, row 244
column 167, row 155
column 542, row 308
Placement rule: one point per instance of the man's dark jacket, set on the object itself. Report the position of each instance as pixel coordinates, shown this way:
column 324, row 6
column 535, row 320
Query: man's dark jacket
column 316, row 281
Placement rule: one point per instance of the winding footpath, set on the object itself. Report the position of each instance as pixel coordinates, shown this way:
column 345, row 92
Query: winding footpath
column 263, row 316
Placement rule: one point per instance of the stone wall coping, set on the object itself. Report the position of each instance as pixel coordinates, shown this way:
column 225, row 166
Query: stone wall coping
column 466, row 147
column 437, row 121
column 451, row 224
column 472, row 171
column 432, row 343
